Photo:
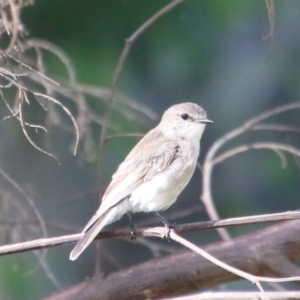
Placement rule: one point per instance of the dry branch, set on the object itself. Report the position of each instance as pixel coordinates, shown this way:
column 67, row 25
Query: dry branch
column 279, row 295
column 146, row 232
column 117, row 74
column 267, row 252
column 211, row 160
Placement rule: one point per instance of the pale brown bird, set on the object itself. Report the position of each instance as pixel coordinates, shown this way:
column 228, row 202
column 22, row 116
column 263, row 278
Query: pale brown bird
column 155, row 171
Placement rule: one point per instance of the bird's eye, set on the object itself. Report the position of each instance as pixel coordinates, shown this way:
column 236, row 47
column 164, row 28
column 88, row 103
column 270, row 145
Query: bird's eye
column 184, row 116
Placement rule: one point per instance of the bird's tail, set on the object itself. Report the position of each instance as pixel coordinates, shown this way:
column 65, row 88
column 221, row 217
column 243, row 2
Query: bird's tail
column 90, row 232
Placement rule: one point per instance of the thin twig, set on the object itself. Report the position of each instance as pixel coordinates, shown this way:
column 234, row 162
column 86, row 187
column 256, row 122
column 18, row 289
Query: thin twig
column 254, row 279
column 260, row 145
column 119, row 68
column 14, row 27
column 240, row 295
column 117, row 74
column 208, row 164
column 277, row 128
column 271, row 16
column 31, row 203
column 66, row 110
column 147, row 232
column 123, row 135
column 29, row 138
column 63, row 57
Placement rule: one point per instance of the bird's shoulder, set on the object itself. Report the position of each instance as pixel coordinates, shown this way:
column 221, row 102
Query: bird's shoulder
column 154, row 149
column 154, row 143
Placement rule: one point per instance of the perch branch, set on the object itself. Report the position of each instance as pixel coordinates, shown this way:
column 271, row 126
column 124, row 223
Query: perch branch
column 165, row 277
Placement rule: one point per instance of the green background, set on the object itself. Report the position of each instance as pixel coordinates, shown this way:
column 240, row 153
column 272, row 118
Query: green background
column 210, row 52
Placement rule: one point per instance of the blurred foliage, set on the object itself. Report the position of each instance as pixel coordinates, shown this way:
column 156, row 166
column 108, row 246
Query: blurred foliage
column 210, row 52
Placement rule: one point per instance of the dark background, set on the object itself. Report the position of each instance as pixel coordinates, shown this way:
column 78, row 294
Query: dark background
column 210, row 52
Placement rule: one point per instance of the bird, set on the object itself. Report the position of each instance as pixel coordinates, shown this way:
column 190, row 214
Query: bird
column 154, row 172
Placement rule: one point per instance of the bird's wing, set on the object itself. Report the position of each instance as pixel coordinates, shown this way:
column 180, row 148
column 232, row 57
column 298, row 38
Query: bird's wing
column 144, row 161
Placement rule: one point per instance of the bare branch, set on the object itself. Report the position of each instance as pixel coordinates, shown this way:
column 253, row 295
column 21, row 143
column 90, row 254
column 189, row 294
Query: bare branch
column 208, row 164
column 254, row 279
column 20, row 114
column 262, row 145
column 271, row 16
column 147, row 232
column 165, row 277
column 66, row 110
column 114, row 136
column 22, row 91
column 40, row 44
column 14, row 28
column 277, row 128
column 122, row 59
column 240, row 295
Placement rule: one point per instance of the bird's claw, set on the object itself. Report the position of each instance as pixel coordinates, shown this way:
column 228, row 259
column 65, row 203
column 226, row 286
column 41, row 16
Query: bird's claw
column 132, row 233
column 167, row 231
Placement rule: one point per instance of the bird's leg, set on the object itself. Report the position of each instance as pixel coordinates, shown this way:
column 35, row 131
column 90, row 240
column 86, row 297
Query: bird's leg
column 132, row 227
column 167, row 225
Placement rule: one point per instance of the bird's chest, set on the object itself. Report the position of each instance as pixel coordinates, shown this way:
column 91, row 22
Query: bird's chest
column 163, row 189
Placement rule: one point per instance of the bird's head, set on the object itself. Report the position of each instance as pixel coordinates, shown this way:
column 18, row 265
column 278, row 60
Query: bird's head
column 185, row 119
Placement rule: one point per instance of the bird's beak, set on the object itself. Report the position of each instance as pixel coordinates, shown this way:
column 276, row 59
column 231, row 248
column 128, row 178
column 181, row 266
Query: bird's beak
column 206, row 120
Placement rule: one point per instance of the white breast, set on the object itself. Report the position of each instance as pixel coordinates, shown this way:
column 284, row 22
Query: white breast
column 162, row 191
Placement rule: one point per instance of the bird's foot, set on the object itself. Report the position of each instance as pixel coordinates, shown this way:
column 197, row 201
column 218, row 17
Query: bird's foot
column 132, row 227
column 168, row 226
column 132, row 233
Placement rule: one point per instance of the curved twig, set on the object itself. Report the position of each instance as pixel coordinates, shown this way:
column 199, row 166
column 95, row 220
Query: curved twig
column 14, row 27
column 66, row 110
column 208, row 161
column 20, row 114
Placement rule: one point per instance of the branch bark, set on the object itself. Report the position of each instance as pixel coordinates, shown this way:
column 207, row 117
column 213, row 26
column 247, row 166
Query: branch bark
column 267, row 252
column 147, row 232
